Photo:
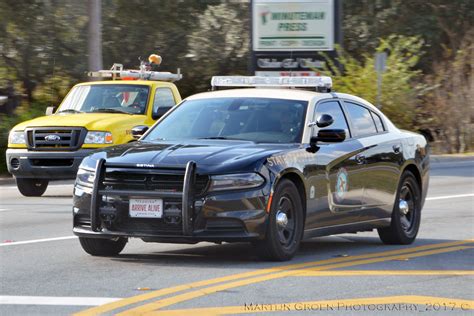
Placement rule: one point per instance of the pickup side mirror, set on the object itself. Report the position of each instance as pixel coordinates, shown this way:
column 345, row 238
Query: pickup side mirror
column 50, row 110
column 328, row 136
column 160, row 112
column 138, row 131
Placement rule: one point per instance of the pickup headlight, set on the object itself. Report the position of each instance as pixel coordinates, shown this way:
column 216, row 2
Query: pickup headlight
column 85, row 177
column 17, row 137
column 236, row 181
column 98, row 138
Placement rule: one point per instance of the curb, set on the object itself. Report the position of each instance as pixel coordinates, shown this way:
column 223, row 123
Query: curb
column 451, row 158
column 7, row 181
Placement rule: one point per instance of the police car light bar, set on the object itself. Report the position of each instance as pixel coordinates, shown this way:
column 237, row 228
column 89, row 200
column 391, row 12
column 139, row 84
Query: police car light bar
column 117, row 72
column 320, row 83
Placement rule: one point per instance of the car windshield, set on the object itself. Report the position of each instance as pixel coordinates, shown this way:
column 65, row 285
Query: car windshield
column 109, row 98
column 262, row 120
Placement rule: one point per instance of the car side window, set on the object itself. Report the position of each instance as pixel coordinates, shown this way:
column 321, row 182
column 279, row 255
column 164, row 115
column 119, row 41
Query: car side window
column 361, row 119
column 332, row 108
column 378, row 122
column 163, row 99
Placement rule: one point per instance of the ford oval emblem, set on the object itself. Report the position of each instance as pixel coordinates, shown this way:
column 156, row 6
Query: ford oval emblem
column 52, row 138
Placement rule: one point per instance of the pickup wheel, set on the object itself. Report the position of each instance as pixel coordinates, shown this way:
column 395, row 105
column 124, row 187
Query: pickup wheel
column 102, row 247
column 285, row 224
column 31, row 187
column 406, row 214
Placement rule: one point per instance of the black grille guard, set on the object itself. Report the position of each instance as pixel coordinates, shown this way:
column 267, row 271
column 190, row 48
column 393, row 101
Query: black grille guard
column 187, row 195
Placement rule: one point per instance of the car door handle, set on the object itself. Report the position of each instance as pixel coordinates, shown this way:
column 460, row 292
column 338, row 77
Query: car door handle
column 360, row 159
column 396, row 149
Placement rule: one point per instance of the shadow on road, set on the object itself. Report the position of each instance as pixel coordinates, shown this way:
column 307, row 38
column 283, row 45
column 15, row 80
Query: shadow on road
column 236, row 254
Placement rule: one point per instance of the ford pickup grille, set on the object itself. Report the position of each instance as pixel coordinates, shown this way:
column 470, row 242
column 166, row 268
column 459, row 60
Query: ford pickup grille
column 55, row 138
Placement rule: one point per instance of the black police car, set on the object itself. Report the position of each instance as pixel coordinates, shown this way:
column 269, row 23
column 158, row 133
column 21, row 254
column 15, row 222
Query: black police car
column 268, row 166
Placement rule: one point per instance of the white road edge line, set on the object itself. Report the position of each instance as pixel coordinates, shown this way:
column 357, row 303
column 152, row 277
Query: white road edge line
column 14, row 243
column 449, row 197
column 54, row 300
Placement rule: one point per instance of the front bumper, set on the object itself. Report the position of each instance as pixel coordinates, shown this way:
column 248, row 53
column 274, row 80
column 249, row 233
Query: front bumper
column 55, row 165
column 220, row 217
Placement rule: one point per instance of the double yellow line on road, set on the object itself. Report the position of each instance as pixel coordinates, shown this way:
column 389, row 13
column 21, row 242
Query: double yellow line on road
column 207, row 287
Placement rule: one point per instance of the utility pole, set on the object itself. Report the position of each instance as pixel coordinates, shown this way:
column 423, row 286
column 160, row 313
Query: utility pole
column 94, row 42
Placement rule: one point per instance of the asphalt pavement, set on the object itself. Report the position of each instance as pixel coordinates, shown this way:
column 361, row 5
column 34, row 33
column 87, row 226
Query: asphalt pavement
column 44, row 271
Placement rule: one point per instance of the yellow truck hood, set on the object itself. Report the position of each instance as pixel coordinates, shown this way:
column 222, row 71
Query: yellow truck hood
column 91, row 121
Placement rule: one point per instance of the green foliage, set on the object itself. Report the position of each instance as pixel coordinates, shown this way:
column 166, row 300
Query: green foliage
column 43, row 52
column 400, row 87
column 448, row 110
column 440, row 23
column 219, row 45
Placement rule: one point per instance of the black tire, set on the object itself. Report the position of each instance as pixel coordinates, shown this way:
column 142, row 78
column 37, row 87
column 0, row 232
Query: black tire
column 31, row 187
column 281, row 242
column 102, row 247
column 404, row 226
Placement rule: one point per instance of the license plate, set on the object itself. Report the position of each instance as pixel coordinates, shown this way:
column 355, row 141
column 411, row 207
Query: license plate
column 146, row 208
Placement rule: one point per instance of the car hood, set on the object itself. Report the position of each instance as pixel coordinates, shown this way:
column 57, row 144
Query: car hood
column 209, row 155
column 91, row 121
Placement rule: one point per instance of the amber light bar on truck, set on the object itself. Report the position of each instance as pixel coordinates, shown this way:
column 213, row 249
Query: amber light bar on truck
column 144, row 73
column 320, row 83
column 117, row 72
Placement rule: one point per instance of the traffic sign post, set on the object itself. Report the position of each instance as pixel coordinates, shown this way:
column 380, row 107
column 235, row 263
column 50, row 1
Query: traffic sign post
column 380, row 64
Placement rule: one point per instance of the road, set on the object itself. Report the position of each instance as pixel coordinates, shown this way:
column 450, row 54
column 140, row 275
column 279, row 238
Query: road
column 45, row 272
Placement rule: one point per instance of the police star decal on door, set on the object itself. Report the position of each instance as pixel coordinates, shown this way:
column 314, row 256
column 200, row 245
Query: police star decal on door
column 342, row 184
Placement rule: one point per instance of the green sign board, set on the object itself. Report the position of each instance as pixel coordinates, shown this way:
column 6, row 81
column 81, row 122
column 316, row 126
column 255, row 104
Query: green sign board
column 299, row 25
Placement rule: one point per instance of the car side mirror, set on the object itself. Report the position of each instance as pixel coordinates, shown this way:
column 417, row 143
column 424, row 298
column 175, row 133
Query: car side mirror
column 160, row 112
column 50, row 110
column 138, row 131
column 328, row 136
column 324, row 120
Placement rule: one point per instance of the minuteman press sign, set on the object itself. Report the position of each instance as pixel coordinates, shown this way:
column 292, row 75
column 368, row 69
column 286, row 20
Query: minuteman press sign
column 301, row 25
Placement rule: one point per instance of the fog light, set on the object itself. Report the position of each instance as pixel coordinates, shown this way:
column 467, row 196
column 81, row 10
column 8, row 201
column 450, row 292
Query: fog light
column 15, row 163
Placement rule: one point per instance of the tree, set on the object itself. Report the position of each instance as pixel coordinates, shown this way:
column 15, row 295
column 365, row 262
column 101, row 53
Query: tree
column 440, row 23
column 39, row 37
column 220, row 43
column 400, row 90
column 449, row 110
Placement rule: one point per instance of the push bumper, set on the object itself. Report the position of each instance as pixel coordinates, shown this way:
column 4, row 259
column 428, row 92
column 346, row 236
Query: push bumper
column 62, row 165
column 229, row 217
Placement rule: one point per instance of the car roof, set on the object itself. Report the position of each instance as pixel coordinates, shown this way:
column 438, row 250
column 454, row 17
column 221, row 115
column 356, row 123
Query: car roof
column 278, row 93
column 289, row 94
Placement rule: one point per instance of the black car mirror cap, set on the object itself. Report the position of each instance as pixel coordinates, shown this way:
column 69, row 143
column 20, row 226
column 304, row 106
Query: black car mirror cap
column 324, row 120
column 329, row 136
column 138, row 131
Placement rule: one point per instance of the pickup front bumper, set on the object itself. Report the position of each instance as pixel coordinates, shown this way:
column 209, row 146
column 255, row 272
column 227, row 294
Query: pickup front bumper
column 51, row 165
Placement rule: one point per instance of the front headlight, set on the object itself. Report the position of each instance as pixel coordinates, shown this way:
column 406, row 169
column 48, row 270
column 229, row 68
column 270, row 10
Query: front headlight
column 236, row 181
column 85, row 177
column 17, row 137
column 98, row 138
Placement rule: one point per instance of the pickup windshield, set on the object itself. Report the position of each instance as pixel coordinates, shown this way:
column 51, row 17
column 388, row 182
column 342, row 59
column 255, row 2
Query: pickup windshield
column 262, row 120
column 107, row 98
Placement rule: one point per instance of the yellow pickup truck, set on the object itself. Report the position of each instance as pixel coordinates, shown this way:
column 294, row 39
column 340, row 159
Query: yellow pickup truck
column 92, row 115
